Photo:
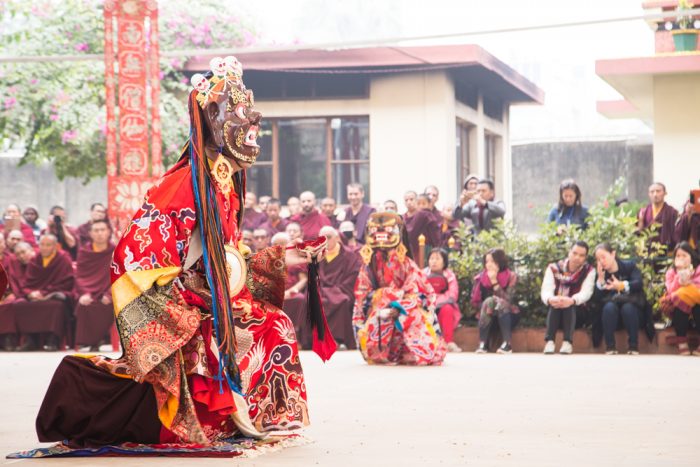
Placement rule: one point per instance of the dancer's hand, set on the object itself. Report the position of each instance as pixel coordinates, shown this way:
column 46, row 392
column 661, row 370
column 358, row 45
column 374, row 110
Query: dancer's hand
column 296, row 255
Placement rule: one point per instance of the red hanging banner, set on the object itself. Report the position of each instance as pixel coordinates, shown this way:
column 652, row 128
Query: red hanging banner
column 132, row 101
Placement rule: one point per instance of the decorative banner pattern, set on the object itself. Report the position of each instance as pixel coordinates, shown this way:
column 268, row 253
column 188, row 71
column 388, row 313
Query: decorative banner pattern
column 131, row 96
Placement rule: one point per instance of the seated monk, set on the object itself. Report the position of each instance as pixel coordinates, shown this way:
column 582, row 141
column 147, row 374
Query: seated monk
column 422, row 223
column 295, row 304
column 94, row 313
column 48, row 289
column 394, row 314
column 338, row 272
column 16, row 268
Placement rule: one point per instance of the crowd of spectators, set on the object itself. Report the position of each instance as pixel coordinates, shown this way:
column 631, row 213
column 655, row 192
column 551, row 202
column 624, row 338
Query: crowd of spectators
column 59, row 274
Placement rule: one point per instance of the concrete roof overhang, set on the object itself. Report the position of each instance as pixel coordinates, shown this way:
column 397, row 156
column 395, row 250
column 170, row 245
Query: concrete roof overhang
column 634, row 79
column 468, row 63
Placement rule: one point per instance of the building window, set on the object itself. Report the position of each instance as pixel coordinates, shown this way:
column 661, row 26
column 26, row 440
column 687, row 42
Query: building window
column 490, row 150
column 259, row 176
column 302, row 156
column 274, row 85
column 462, row 148
column 350, row 159
column 321, row 155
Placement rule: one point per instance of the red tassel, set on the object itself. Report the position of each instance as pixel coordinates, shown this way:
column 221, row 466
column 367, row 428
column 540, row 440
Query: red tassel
column 327, row 347
column 323, row 343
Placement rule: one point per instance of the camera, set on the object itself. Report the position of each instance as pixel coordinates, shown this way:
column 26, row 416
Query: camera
column 57, row 219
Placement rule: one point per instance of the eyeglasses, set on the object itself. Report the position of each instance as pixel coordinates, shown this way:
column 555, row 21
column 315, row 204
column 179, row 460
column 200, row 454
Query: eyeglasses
column 259, row 237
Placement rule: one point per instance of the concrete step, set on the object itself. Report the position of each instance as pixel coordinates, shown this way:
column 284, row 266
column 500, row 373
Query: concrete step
column 532, row 340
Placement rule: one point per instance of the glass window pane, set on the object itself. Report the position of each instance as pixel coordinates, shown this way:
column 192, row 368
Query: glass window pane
column 265, row 141
column 302, row 158
column 259, row 180
column 462, row 146
column 343, row 174
column 350, row 138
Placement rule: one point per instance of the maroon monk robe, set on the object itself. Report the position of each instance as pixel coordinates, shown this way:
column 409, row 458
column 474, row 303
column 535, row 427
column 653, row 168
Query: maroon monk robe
column 49, row 315
column 448, row 230
column 92, row 277
column 27, row 233
column 3, row 280
column 335, row 223
column 355, row 247
column 311, row 223
column 422, row 222
column 6, row 316
column 296, row 307
column 437, row 215
column 253, row 219
column 337, row 293
column 688, row 230
column 72, row 251
column 84, row 234
column 666, row 217
column 277, row 227
column 359, row 219
column 16, row 276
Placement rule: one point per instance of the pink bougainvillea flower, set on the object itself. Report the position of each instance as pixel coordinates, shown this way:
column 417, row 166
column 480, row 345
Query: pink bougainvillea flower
column 53, row 117
column 69, row 135
column 82, row 47
column 10, row 103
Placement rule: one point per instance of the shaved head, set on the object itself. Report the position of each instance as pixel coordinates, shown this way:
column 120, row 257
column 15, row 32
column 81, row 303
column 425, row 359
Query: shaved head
column 332, row 235
column 328, row 231
column 24, row 252
column 308, row 201
column 280, row 238
column 48, row 245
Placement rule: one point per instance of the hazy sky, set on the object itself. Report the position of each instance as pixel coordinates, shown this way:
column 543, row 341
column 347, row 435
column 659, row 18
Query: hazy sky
column 560, row 61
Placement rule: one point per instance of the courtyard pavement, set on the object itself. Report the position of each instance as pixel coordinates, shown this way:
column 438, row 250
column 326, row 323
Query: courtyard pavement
column 481, row 410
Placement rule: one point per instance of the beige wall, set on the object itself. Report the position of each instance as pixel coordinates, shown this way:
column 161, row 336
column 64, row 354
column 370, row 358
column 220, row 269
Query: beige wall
column 677, row 134
column 412, row 135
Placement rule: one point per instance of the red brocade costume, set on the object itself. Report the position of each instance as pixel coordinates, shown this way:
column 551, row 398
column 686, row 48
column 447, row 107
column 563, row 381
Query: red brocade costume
column 161, row 311
column 391, row 280
column 169, row 386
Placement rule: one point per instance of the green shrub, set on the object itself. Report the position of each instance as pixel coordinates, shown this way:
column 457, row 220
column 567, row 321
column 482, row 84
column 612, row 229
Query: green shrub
column 529, row 256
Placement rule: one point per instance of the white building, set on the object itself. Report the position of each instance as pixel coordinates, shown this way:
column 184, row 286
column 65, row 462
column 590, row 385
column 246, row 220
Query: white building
column 391, row 118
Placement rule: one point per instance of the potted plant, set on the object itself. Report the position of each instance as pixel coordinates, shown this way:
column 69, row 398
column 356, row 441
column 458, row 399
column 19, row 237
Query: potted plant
column 685, row 38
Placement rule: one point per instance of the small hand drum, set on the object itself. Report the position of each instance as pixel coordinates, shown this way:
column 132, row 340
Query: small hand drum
column 236, row 269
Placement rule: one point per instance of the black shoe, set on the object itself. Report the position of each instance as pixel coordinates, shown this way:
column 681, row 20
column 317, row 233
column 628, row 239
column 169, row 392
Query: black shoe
column 51, row 344
column 29, row 344
column 8, row 343
column 505, row 348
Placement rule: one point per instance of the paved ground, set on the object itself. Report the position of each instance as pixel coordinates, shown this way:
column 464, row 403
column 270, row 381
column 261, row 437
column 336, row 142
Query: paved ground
column 519, row 410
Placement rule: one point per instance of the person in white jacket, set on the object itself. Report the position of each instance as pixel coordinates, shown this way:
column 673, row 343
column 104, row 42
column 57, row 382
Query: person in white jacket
column 567, row 285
